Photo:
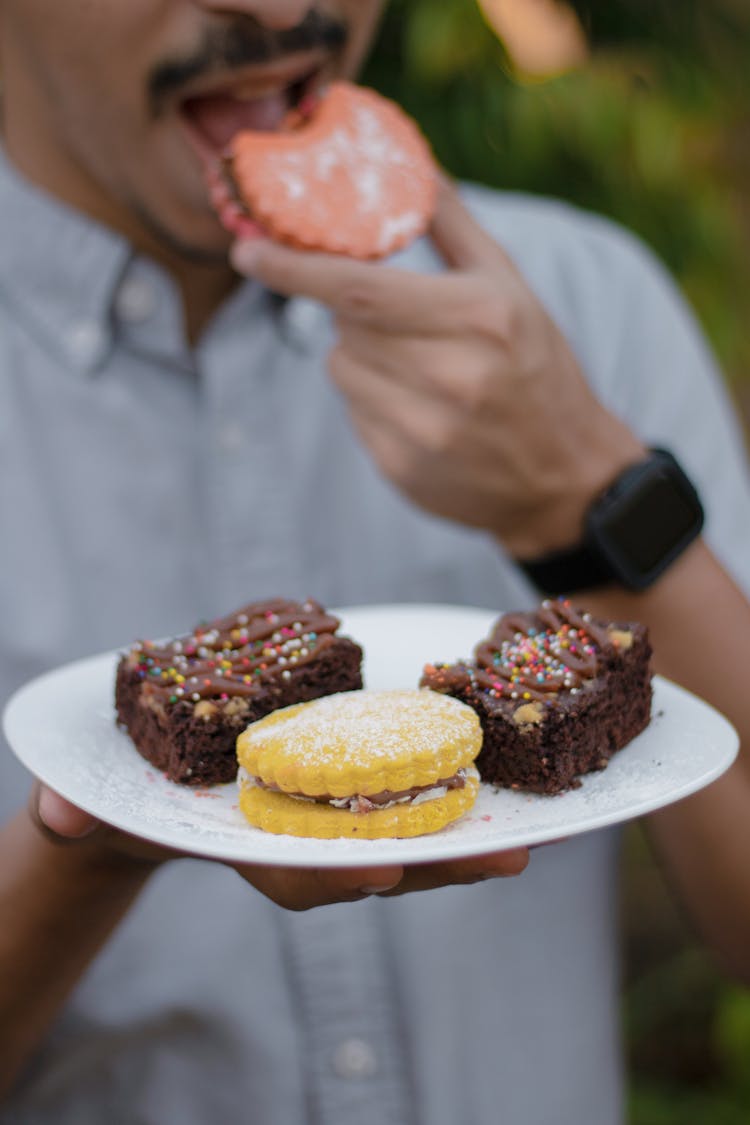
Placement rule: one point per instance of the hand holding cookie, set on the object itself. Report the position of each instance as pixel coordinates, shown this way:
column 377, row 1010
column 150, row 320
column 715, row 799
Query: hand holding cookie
column 460, row 384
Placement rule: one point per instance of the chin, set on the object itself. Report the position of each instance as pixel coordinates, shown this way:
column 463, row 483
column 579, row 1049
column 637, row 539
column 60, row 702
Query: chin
column 210, row 249
column 194, row 236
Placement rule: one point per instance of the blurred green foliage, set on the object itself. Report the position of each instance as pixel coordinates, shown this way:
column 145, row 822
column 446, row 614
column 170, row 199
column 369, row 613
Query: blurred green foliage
column 686, row 1026
column 688, row 1032
column 653, row 131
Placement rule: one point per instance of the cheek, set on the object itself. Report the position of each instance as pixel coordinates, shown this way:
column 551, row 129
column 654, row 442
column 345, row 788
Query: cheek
column 98, row 114
column 91, row 56
column 82, row 75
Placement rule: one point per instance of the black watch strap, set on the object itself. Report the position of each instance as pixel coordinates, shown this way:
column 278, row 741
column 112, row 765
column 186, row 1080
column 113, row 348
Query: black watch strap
column 563, row 572
column 633, row 531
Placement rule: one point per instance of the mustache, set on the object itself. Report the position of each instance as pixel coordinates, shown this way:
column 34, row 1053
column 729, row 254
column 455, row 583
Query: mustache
column 243, row 41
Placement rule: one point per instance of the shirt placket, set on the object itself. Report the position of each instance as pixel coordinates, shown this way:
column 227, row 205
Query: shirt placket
column 246, row 492
column 351, row 1041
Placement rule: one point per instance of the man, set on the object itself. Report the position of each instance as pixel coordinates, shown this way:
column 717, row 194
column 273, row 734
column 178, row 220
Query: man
column 175, row 442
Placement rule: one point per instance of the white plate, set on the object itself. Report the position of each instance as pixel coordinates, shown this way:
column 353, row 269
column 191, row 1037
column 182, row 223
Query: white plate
column 62, row 728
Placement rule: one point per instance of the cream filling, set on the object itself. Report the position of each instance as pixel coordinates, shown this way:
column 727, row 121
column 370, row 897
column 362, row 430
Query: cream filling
column 359, row 803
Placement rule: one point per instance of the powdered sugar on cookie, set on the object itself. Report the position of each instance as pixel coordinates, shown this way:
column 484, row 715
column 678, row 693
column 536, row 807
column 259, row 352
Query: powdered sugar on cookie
column 356, row 178
column 359, row 727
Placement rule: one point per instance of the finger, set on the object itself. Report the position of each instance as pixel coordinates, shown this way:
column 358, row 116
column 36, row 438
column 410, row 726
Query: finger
column 421, row 416
column 473, row 378
column 433, row 366
column 296, row 888
column 461, row 872
column 385, row 393
column 460, row 240
column 392, row 300
column 404, row 429
column 56, row 818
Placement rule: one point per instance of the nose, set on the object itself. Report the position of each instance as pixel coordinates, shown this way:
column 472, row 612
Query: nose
column 276, row 14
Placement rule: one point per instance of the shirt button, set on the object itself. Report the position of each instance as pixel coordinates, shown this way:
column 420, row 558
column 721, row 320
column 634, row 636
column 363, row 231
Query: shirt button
column 135, row 300
column 84, row 340
column 354, row 1058
column 301, row 320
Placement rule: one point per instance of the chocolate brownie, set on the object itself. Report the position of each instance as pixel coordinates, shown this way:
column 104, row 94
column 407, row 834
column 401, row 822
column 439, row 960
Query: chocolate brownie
column 185, row 701
column 557, row 693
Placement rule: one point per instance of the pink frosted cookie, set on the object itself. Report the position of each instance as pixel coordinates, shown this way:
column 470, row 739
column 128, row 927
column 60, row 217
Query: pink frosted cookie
column 353, row 177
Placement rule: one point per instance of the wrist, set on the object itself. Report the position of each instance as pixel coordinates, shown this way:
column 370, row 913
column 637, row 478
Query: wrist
column 558, row 521
column 633, row 531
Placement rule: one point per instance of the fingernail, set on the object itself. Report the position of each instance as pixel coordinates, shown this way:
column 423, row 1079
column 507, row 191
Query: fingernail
column 377, row 890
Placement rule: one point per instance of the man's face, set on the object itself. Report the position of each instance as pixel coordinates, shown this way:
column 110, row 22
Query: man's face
column 112, row 104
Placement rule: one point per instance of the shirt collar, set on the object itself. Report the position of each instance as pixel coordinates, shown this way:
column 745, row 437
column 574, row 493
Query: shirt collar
column 81, row 288
column 58, row 269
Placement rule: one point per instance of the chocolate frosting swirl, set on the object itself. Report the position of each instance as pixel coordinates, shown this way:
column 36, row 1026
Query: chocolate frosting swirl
column 236, row 655
column 533, row 656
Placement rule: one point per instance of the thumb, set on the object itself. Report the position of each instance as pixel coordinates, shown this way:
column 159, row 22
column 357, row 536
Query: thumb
column 53, row 814
column 461, row 241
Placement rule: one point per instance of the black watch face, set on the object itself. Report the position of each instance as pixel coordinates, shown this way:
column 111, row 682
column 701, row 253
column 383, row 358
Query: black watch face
column 645, row 528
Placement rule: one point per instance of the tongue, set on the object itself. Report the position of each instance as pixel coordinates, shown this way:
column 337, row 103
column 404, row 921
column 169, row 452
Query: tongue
column 220, row 117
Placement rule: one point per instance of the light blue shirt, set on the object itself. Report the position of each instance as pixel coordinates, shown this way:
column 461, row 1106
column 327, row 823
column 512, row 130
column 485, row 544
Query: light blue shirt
column 144, row 486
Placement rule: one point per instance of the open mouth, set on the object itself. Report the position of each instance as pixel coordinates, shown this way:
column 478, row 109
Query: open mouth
column 264, row 103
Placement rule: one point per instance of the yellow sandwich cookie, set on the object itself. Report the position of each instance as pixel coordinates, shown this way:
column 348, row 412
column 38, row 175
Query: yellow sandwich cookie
column 360, row 763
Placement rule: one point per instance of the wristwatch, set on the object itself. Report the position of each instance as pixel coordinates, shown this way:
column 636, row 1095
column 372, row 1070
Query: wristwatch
column 633, row 531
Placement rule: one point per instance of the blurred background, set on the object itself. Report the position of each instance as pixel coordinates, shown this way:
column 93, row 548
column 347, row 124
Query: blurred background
column 639, row 110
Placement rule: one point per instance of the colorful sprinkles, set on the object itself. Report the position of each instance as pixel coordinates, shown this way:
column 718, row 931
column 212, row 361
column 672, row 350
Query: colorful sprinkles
column 532, row 656
column 235, row 656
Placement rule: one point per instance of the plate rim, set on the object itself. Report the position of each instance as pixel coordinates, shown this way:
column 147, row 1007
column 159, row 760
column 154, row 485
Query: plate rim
column 421, row 849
